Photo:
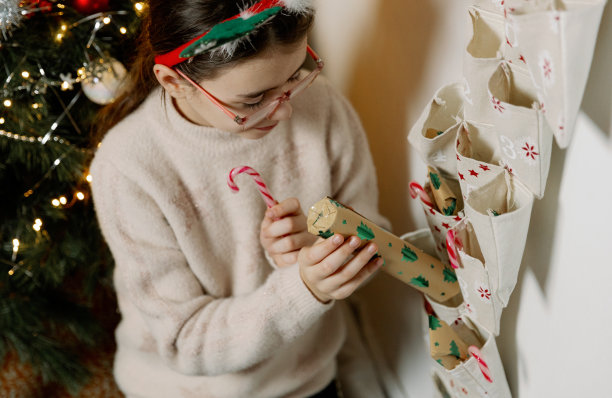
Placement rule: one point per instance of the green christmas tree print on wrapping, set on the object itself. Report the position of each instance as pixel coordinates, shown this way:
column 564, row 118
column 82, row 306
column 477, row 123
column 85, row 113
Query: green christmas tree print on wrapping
column 409, row 255
column 420, row 281
column 364, row 232
column 449, row 275
column 326, row 234
column 454, row 350
column 435, row 180
column 448, row 211
column 434, row 322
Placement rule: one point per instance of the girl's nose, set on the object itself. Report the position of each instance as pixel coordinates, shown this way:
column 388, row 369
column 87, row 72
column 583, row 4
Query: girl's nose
column 282, row 112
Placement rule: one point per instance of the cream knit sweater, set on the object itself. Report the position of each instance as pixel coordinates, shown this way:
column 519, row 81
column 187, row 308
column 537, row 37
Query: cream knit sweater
column 204, row 314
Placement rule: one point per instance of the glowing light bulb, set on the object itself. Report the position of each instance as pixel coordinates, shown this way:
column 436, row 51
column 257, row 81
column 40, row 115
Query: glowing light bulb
column 35, row 106
column 63, row 27
column 25, row 74
column 11, row 272
column 2, row 120
column 123, row 30
column 59, row 36
column 15, row 243
column 55, row 202
column 65, row 86
column 139, row 6
column 8, row 103
column 63, row 200
column 89, row 178
column 80, row 195
column 36, row 227
column 106, row 20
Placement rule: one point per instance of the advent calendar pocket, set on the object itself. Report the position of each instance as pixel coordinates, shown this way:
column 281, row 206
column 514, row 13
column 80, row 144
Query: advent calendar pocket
column 500, row 212
column 477, row 156
column 433, row 135
column 525, row 138
column 486, row 49
column 558, row 43
column 481, row 374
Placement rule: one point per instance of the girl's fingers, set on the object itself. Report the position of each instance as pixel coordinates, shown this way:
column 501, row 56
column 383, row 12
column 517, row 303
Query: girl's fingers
column 364, row 273
column 332, row 262
column 290, row 243
column 284, row 226
column 284, row 208
column 351, row 268
column 310, row 256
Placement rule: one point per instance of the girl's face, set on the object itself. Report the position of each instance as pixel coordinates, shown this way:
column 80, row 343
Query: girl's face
column 245, row 88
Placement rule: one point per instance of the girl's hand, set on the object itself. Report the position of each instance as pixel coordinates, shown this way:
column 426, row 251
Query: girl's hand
column 327, row 273
column 284, row 232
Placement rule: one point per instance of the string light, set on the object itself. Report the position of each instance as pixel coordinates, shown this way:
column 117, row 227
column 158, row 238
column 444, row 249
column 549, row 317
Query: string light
column 37, row 225
column 106, row 20
column 11, row 272
column 89, row 178
column 80, row 195
column 25, row 74
column 2, row 120
column 59, row 37
column 139, row 6
column 63, row 200
column 15, row 246
column 55, row 202
column 63, row 27
column 8, row 103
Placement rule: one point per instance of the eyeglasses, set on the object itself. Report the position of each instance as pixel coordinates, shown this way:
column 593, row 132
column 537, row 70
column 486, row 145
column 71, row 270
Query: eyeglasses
column 249, row 121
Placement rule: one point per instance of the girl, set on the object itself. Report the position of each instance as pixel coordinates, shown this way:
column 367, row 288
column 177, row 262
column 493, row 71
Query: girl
column 219, row 297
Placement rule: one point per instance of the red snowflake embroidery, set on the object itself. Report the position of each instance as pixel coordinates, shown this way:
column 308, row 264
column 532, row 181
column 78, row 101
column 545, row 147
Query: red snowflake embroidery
column 530, row 151
column 497, row 104
column 473, row 173
column 457, row 218
column 445, row 225
column 547, row 68
column 484, row 293
column 484, row 167
column 461, row 176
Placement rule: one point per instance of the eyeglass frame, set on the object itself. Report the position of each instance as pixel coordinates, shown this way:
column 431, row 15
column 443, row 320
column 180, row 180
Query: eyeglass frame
column 273, row 105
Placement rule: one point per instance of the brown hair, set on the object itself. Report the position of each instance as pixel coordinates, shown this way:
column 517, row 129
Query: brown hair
column 169, row 24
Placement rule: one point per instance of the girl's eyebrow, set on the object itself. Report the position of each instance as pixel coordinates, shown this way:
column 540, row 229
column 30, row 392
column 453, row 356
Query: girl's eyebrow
column 258, row 93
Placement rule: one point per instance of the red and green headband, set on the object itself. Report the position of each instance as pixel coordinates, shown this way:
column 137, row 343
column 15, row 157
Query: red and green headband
column 232, row 29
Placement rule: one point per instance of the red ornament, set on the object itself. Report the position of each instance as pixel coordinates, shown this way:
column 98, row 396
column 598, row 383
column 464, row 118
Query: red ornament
column 87, row 7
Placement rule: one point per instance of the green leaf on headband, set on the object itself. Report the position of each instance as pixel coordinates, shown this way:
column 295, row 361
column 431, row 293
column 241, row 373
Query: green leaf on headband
column 228, row 31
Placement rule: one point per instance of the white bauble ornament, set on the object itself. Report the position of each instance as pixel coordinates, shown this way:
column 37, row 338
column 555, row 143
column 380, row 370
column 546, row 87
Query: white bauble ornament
column 103, row 84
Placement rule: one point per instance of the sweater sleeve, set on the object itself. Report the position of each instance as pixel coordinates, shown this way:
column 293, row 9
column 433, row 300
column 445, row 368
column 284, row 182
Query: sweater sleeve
column 195, row 333
column 354, row 180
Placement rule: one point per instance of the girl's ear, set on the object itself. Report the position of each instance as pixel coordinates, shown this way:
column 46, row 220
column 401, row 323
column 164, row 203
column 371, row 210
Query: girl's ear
column 171, row 81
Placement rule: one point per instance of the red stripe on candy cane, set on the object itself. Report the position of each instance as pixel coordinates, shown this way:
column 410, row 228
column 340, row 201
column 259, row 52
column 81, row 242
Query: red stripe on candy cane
column 417, row 190
column 451, row 247
column 475, row 352
column 261, row 185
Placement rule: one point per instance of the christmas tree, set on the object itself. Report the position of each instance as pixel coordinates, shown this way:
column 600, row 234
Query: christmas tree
column 59, row 62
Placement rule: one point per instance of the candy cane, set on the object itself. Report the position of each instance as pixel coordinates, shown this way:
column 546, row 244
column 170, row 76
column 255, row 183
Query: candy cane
column 451, row 247
column 481, row 363
column 261, row 185
column 417, row 190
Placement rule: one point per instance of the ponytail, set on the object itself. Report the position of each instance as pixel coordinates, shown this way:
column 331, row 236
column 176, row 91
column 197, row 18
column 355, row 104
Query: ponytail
column 138, row 84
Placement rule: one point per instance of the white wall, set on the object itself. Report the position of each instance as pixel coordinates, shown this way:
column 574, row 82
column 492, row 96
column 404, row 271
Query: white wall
column 389, row 56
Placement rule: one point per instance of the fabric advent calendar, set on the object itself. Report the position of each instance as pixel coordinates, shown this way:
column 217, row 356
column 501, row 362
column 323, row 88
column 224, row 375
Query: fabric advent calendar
column 490, row 137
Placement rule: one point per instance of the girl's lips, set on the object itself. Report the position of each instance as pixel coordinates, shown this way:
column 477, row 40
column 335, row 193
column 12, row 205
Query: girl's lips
column 267, row 128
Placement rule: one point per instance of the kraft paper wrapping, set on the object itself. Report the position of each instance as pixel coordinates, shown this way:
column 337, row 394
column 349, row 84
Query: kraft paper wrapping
column 445, row 345
column 403, row 260
column 443, row 195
